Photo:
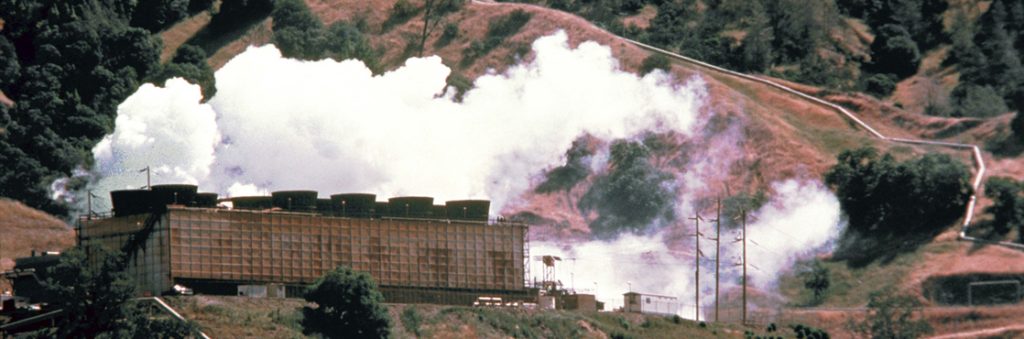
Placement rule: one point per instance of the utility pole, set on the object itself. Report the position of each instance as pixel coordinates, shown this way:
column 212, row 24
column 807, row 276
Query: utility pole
column 149, row 185
column 696, row 256
column 743, row 213
column 718, row 250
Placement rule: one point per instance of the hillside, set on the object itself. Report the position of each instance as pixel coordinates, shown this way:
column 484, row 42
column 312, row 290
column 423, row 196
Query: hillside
column 255, row 318
column 756, row 134
column 26, row 230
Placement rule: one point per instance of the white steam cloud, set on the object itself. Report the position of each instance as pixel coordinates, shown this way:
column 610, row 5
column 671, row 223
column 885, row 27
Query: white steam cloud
column 801, row 219
column 279, row 123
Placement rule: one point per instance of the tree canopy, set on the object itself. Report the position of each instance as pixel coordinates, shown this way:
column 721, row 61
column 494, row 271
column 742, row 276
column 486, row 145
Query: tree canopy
column 884, row 196
column 67, row 65
column 631, row 196
column 348, row 305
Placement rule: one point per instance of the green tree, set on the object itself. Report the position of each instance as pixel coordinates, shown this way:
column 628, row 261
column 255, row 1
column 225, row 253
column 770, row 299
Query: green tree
column 1007, row 203
column 982, row 101
column 892, row 316
column 882, row 196
column 632, row 196
column 92, row 294
column 1017, row 125
column 155, row 15
column 10, row 67
column 434, row 13
column 189, row 63
column 576, row 168
column 894, row 52
column 880, row 85
column 348, row 305
column 816, row 278
column 655, row 61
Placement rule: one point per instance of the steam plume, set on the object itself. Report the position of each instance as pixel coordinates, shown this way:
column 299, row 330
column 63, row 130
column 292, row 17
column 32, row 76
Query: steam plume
column 279, row 123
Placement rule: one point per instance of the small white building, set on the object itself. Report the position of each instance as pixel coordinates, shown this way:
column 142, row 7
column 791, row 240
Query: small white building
column 634, row 302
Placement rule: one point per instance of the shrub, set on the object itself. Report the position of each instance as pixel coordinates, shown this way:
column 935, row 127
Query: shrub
column 880, row 85
column 497, row 32
column 1017, row 125
column 884, row 197
column 655, row 61
column 401, row 12
column 450, row 32
column 348, row 305
column 978, row 101
column 1007, row 203
column 894, row 52
column 632, row 196
column 892, row 315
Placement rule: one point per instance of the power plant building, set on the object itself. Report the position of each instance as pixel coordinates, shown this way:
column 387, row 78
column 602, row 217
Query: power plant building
column 416, row 251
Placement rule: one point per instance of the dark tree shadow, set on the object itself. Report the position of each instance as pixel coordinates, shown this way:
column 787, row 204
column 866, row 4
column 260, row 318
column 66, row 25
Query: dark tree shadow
column 224, row 28
column 1005, row 145
column 860, row 250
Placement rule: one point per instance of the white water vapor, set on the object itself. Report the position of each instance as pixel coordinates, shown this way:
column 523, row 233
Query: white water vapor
column 800, row 220
column 279, row 123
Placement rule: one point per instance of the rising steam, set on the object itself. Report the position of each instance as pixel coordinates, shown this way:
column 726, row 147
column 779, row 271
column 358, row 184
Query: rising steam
column 331, row 126
column 801, row 219
column 280, row 123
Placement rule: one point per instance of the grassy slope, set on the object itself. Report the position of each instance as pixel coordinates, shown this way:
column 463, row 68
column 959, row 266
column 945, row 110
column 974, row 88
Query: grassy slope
column 237, row 317
column 787, row 135
column 23, row 229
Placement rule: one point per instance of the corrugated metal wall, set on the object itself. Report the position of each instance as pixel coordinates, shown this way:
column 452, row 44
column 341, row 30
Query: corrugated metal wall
column 296, row 248
column 149, row 265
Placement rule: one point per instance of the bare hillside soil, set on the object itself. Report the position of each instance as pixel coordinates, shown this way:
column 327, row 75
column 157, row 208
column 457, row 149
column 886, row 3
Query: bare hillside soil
column 23, row 229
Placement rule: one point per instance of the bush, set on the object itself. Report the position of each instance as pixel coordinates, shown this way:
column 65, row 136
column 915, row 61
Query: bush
column 632, row 196
column 894, row 52
column 348, row 305
column 892, row 315
column 884, row 197
column 655, row 61
column 450, row 32
column 155, row 15
column 576, row 168
column 880, row 85
column 1007, row 203
column 978, row 101
column 816, row 279
column 401, row 12
column 497, row 31
column 1017, row 125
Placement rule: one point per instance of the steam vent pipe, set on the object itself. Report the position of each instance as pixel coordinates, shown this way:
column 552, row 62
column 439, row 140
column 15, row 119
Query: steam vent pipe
column 410, row 207
column 294, row 200
column 129, row 202
column 354, row 205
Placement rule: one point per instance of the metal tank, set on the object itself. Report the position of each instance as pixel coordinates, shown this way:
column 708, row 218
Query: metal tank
column 129, row 202
column 252, row 202
column 410, row 207
column 295, row 200
column 354, row 205
column 206, row 200
column 175, row 194
column 468, row 209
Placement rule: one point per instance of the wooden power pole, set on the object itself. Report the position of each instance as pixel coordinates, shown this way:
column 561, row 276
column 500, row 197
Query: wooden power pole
column 743, row 214
column 696, row 256
column 718, row 250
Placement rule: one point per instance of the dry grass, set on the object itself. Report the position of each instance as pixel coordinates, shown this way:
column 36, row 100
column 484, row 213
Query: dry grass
column 177, row 35
column 642, row 19
column 23, row 229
